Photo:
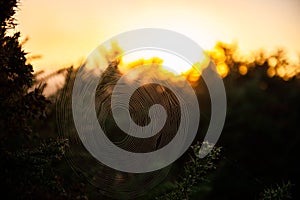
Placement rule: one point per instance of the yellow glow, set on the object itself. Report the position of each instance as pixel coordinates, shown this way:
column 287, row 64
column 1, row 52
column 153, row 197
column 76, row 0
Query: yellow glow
column 271, row 72
column 272, row 61
column 218, row 56
column 169, row 64
column 280, row 71
column 243, row 70
column 168, row 60
column 64, row 32
column 222, row 69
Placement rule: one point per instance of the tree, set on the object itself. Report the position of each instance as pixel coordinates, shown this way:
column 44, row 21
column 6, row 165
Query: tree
column 26, row 160
column 260, row 136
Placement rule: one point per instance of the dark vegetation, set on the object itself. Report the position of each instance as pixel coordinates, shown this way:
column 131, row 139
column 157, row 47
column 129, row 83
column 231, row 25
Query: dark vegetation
column 256, row 157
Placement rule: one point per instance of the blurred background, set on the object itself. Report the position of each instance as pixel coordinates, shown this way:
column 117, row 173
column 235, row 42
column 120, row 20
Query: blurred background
column 255, row 46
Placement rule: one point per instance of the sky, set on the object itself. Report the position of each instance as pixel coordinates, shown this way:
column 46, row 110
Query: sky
column 65, row 32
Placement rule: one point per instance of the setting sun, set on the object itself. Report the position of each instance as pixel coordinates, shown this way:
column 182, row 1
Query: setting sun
column 169, row 61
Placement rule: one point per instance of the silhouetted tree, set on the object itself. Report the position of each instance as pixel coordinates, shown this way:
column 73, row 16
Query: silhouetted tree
column 261, row 133
column 26, row 161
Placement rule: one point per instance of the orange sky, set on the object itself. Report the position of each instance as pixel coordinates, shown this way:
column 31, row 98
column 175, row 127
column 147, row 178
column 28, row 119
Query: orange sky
column 65, row 32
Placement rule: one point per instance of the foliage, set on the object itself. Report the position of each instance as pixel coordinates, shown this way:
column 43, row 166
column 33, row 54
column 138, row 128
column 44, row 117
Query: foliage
column 260, row 137
column 196, row 171
column 277, row 193
column 29, row 172
column 27, row 161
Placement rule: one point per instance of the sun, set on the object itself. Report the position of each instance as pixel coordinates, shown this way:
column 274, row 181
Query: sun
column 169, row 63
column 168, row 60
